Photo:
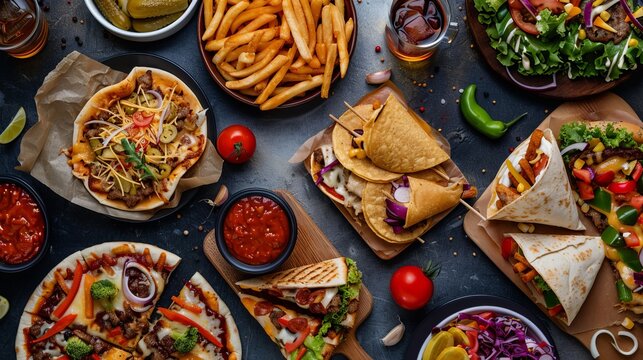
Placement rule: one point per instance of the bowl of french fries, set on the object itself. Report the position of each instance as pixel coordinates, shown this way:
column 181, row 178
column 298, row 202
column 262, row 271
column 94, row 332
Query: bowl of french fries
column 277, row 53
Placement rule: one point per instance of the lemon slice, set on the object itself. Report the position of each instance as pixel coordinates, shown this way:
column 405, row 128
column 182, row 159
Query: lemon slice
column 15, row 127
column 4, row 306
column 453, row 353
column 437, row 344
column 459, row 337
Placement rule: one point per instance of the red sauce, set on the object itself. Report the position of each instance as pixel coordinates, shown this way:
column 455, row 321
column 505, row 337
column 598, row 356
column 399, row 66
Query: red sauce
column 256, row 230
column 22, row 225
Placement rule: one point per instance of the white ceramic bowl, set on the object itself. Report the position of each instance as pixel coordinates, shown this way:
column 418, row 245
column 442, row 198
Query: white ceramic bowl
column 534, row 331
column 146, row 36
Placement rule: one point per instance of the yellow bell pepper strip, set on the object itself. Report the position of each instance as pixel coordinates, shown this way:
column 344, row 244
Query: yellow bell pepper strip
column 89, row 300
column 64, row 305
column 637, row 14
column 59, row 326
column 603, row 25
column 517, row 176
column 175, row 316
column 290, row 347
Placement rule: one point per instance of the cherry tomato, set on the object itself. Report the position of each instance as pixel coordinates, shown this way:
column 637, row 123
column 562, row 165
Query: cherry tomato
column 412, row 287
column 583, row 175
column 236, row 144
column 142, row 119
column 508, row 247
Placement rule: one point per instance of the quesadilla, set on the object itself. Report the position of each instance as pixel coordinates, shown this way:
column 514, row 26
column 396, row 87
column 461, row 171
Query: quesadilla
column 329, row 288
column 531, row 186
column 560, row 269
column 134, row 140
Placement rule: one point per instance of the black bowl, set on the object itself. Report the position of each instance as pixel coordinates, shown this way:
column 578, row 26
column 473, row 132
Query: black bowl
column 223, row 248
column 13, row 268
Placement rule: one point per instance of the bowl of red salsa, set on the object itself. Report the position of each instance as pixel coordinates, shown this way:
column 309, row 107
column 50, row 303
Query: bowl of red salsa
column 256, row 231
column 24, row 229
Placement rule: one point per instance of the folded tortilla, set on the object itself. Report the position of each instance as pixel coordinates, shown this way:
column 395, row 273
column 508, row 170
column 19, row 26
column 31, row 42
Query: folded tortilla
column 568, row 264
column 549, row 201
column 399, row 142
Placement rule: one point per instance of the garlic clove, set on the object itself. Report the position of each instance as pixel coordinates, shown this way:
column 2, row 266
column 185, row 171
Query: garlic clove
column 221, row 197
column 395, row 335
column 378, row 77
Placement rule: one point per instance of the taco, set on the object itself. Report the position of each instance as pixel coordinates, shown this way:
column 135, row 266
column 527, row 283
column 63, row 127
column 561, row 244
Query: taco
column 134, row 140
column 531, row 186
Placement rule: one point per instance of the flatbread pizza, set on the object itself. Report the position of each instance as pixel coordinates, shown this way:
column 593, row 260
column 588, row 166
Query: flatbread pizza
column 134, row 140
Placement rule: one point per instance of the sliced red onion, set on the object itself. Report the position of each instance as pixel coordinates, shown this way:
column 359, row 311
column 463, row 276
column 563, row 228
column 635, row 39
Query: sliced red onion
column 395, row 185
column 587, row 15
column 397, row 229
column 140, row 304
column 405, row 180
column 396, row 209
column 466, row 187
column 638, row 277
column 163, row 116
column 551, row 85
column 532, row 10
column 577, row 146
column 592, row 174
column 90, row 122
column 641, row 257
column 402, row 194
column 115, row 132
column 159, row 98
column 630, row 15
column 392, row 221
column 324, row 170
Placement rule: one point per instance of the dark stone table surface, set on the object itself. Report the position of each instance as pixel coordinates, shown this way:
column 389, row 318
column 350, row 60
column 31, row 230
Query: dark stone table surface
column 279, row 134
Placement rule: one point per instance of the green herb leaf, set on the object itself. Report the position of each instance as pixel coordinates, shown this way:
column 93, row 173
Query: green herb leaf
column 137, row 159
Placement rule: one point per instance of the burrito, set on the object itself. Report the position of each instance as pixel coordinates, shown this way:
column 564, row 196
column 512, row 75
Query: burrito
column 532, row 186
column 560, row 269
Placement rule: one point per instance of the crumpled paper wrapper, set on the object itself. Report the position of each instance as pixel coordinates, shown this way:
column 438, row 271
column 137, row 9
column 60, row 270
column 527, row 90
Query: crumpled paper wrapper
column 598, row 311
column 382, row 248
column 62, row 95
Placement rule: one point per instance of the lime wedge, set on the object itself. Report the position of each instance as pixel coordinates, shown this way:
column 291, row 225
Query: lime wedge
column 15, row 127
column 4, row 306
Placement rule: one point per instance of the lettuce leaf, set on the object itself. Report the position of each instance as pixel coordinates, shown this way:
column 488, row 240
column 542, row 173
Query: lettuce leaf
column 611, row 137
column 551, row 26
column 347, row 293
column 487, row 9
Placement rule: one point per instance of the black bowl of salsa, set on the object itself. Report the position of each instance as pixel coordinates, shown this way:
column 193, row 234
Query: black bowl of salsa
column 256, row 231
column 24, row 229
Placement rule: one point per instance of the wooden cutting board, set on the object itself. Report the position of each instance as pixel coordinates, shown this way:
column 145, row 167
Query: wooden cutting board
column 312, row 246
column 567, row 88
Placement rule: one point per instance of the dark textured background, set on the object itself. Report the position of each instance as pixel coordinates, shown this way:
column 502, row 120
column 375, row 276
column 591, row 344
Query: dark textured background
column 279, row 133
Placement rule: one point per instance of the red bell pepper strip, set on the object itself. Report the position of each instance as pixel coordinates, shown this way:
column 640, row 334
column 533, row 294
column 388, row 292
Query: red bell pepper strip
column 604, row 179
column 175, row 316
column 64, row 357
column 622, row 187
column 301, row 353
column 637, row 202
column 473, row 344
column 300, row 340
column 115, row 331
column 583, row 175
column 555, row 310
column 585, row 190
column 186, row 305
column 283, row 321
column 64, row 305
column 632, row 240
column 95, row 357
column 508, row 247
column 637, row 172
column 59, row 326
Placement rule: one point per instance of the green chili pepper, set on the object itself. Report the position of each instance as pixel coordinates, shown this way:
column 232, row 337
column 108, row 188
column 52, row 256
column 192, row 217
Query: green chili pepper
column 624, row 293
column 612, row 237
column 551, row 299
column 479, row 118
column 602, row 200
column 630, row 258
column 627, row 215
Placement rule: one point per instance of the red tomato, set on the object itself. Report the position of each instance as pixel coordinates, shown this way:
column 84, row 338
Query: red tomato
column 585, row 190
column 622, row 187
column 604, row 179
column 508, row 247
column 412, row 287
column 142, row 119
column 236, row 144
column 637, row 202
column 583, row 175
column 632, row 240
column 523, row 19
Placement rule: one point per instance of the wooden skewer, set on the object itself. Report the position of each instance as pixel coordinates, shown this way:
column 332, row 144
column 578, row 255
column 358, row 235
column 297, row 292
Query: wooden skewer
column 336, row 120
column 352, row 109
column 466, row 204
column 390, row 197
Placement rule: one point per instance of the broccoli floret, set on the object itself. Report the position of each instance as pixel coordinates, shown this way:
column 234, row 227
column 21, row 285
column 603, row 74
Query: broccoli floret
column 77, row 349
column 184, row 343
column 104, row 291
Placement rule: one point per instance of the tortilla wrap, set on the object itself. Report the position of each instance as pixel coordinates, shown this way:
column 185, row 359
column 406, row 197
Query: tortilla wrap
column 568, row 264
column 549, row 201
column 328, row 273
column 399, row 142
column 103, row 99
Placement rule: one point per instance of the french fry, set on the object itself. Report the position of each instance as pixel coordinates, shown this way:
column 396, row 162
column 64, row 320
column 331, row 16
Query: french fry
column 229, row 17
column 297, row 35
column 251, row 14
column 340, row 32
column 315, row 63
column 340, row 6
column 320, row 50
column 284, row 31
column 258, row 22
column 261, row 85
column 290, row 77
column 257, row 4
column 328, row 70
column 271, row 52
column 275, row 2
column 258, row 76
column 207, row 11
column 299, row 63
column 241, row 39
column 301, row 18
column 265, row 52
column 281, row 89
column 293, row 91
column 228, row 68
column 247, row 58
column 306, row 70
column 224, row 73
column 327, row 26
column 216, row 20
column 249, row 92
column 277, row 78
column 239, row 65
column 315, row 7
column 325, row 2
column 234, row 2
column 310, row 23
column 349, row 28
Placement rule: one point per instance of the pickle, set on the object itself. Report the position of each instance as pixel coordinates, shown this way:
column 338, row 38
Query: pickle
column 118, row 148
column 140, row 9
column 124, row 185
column 154, row 152
column 165, row 170
column 108, row 154
column 132, row 189
column 113, row 13
column 169, row 133
column 123, row 5
column 155, row 23
column 96, row 145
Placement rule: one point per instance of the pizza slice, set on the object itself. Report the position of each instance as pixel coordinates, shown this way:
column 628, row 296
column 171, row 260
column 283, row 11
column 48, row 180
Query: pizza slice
column 41, row 339
column 299, row 336
column 198, row 325
column 329, row 288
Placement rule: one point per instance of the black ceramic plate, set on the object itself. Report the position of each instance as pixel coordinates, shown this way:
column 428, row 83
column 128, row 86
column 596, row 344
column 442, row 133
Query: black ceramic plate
column 441, row 312
column 125, row 63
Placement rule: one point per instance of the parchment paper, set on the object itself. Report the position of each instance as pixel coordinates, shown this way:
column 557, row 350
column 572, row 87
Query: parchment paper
column 598, row 311
column 62, row 95
column 382, row 248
